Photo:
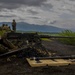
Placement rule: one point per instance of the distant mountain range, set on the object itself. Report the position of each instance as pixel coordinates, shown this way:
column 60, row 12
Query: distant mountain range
column 32, row 27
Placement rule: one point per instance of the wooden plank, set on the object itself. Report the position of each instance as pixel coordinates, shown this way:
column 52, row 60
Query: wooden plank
column 49, row 62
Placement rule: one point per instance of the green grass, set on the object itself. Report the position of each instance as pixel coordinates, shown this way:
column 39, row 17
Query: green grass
column 69, row 41
column 46, row 39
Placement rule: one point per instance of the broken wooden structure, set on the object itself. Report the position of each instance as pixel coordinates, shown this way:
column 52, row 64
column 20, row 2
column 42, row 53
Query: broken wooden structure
column 29, row 45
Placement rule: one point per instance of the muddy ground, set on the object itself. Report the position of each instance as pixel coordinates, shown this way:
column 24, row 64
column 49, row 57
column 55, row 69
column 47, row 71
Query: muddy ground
column 19, row 66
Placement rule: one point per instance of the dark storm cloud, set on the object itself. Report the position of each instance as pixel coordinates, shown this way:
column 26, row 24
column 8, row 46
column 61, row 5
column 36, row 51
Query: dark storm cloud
column 32, row 12
column 8, row 16
column 71, row 0
column 35, row 17
column 47, row 6
column 58, row 0
column 53, row 22
column 11, row 4
column 67, row 16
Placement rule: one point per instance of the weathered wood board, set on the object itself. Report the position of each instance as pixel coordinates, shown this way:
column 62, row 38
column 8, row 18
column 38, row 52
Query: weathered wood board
column 49, row 62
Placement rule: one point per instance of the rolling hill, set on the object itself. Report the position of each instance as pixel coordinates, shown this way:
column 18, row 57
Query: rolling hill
column 32, row 27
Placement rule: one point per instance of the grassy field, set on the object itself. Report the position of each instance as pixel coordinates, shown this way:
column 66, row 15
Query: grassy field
column 40, row 33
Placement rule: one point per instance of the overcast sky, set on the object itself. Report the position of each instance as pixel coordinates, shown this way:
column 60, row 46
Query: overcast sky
column 59, row 13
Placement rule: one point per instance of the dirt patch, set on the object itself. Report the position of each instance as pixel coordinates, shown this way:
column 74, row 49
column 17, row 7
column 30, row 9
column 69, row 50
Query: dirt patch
column 59, row 48
column 19, row 66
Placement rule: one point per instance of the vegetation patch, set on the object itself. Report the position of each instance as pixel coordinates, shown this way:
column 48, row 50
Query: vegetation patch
column 46, row 39
column 2, row 32
column 67, row 33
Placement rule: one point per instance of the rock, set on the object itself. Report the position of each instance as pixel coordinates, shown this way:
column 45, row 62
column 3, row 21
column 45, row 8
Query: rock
column 8, row 59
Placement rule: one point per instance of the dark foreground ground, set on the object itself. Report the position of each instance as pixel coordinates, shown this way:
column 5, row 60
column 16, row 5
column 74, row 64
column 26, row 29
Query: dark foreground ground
column 19, row 66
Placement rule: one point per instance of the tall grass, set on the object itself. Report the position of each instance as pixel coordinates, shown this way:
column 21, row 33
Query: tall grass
column 69, row 41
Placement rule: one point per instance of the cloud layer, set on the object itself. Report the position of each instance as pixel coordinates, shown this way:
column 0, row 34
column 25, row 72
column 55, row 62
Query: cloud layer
column 58, row 13
column 12, row 4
